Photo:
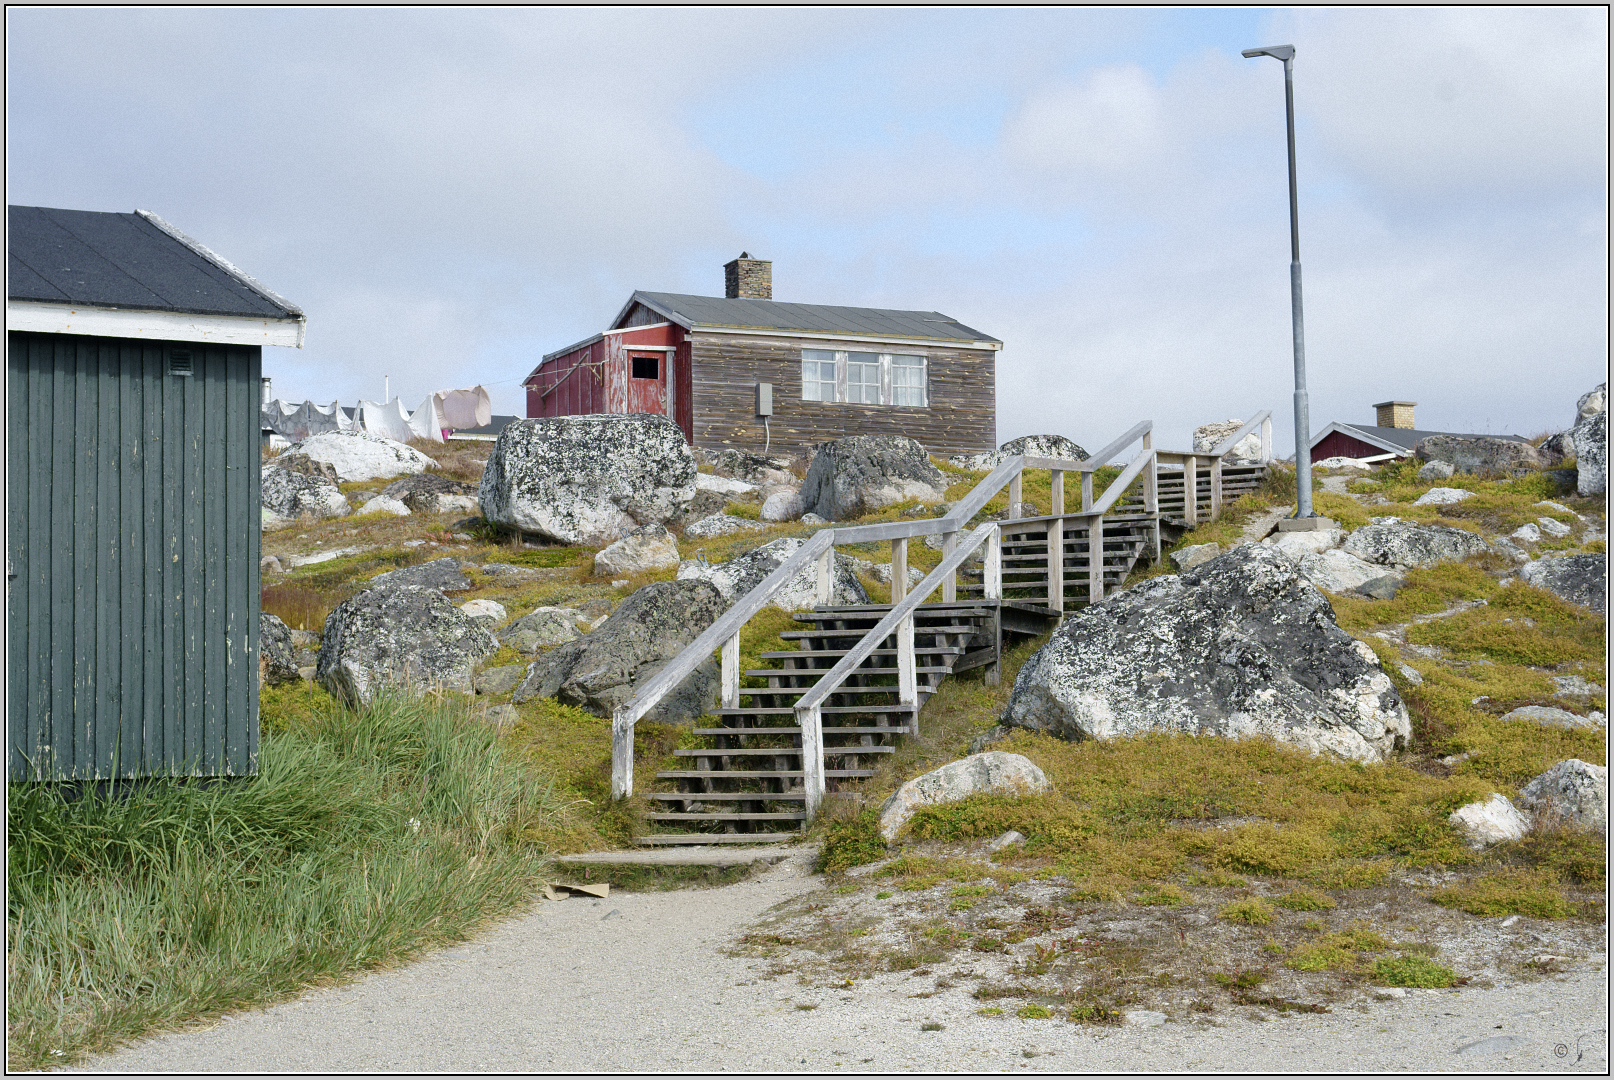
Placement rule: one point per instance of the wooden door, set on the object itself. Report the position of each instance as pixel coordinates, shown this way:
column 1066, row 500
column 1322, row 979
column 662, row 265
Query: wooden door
column 647, row 381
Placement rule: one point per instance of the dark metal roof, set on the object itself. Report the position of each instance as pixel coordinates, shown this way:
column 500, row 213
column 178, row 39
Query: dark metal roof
column 722, row 313
column 136, row 260
column 1406, row 438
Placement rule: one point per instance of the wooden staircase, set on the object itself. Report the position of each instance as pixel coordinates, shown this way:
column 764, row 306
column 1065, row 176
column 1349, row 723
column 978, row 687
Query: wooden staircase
column 746, row 786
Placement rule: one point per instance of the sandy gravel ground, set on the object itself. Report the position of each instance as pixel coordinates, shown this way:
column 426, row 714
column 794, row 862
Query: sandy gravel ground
column 639, row 982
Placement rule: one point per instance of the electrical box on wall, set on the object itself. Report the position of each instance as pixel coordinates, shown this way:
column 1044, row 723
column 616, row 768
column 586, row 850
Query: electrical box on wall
column 764, row 399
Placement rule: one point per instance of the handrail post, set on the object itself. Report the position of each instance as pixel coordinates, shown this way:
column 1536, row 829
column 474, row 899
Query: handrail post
column 1266, row 440
column 950, row 582
column 1190, row 488
column 1216, row 489
column 1087, row 490
column 810, row 720
column 899, row 569
column 907, row 677
column 1016, row 509
column 826, row 576
column 1056, row 544
column 1151, row 491
column 1095, row 560
column 621, row 757
column 731, row 672
column 992, row 572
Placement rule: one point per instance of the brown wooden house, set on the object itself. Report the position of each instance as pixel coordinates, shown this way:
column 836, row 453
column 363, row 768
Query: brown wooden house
column 752, row 373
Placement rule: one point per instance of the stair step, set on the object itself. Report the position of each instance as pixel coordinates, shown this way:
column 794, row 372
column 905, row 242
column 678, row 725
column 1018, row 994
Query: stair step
column 786, row 751
column 827, row 710
column 736, row 774
column 663, row 815
column 719, row 838
column 815, row 654
column 727, row 796
column 800, row 673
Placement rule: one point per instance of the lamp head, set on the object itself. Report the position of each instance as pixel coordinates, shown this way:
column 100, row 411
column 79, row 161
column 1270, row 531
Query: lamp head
column 1277, row 52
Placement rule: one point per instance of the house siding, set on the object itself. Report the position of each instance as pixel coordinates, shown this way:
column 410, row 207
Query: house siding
column 133, row 511
column 1339, row 444
column 725, row 368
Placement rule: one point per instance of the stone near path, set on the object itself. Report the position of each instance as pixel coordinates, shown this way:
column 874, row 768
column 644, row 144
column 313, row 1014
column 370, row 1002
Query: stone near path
column 542, row 627
column 359, row 455
column 1196, row 555
column 288, row 494
column 1589, row 439
column 1337, row 571
column 783, row 505
column 1591, row 403
column 442, row 574
column 1547, row 716
column 861, row 474
column 743, row 573
column 709, row 528
column 994, row 771
column 1392, row 542
column 602, row 671
column 645, row 549
column 383, row 504
column 432, row 493
column 587, row 479
column 1237, row 647
column 409, row 638
column 1295, row 546
column 1480, row 455
column 499, row 681
column 489, row 613
column 1442, row 496
column 1575, row 791
column 277, row 656
column 1579, row 579
column 1492, row 821
column 1436, row 470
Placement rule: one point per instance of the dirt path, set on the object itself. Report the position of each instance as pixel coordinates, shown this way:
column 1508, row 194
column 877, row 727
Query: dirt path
column 640, row 982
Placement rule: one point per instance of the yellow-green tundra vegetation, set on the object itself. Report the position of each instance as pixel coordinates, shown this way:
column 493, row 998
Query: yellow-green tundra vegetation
column 1189, row 874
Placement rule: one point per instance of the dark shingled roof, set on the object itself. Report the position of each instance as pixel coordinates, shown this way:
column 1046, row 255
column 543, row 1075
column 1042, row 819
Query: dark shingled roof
column 1407, row 438
column 744, row 314
column 95, row 259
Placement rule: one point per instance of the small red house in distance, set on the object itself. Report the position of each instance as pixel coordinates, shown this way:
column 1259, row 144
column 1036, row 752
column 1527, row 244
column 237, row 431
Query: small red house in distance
column 1392, row 434
column 746, row 372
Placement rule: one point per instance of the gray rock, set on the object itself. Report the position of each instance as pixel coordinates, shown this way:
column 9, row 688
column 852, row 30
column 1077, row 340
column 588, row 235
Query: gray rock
column 721, row 525
column 881, row 572
column 1575, row 791
column 502, row 717
column 1409, row 673
column 1383, row 587
column 813, row 519
column 603, row 670
column 783, row 505
column 277, row 659
column 587, row 479
column 1490, row 822
column 383, row 504
column 443, row 574
column 500, row 681
column 1592, row 402
column 1442, row 496
column 1208, row 437
column 726, row 486
column 1481, row 455
column 1528, row 533
column 1590, row 440
column 1239, row 646
column 994, row 771
column 1295, row 546
column 743, row 573
column 1044, row 446
column 1553, row 527
column 409, row 637
column 1435, row 470
column 1007, row 839
column 1337, row 571
column 647, row 548
column 1197, row 555
column 758, row 469
column 359, row 455
column 289, row 494
column 1547, row 716
column 431, row 493
column 704, row 505
column 1393, row 542
column 270, row 565
column 1574, row 686
column 510, row 574
column 489, row 613
column 861, row 474
column 1579, row 579
column 542, row 628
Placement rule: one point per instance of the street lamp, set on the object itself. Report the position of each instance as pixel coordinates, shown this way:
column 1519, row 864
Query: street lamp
column 1305, row 518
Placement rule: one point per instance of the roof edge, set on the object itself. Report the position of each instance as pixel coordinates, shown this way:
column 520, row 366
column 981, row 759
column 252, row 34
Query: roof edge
column 224, row 264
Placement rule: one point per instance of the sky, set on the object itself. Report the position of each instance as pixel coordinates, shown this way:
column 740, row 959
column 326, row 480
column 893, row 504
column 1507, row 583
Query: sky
column 451, row 193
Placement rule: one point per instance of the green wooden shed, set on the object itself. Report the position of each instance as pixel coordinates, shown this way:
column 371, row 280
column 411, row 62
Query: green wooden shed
column 132, row 439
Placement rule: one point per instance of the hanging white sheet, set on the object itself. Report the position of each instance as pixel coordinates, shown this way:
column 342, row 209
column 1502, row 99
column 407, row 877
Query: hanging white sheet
column 467, row 408
column 426, row 422
column 389, row 420
column 297, row 422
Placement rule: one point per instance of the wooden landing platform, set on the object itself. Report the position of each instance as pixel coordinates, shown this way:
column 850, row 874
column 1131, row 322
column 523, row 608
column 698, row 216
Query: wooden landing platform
column 716, row 855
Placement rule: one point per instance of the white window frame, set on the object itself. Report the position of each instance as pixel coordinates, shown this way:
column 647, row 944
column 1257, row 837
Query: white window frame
column 887, row 366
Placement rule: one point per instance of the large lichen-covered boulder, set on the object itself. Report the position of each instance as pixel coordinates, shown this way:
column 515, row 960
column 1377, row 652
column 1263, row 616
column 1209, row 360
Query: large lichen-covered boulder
column 1589, row 438
column 1579, row 579
column 1044, row 446
column 602, row 670
column 860, row 474
column 432, row 493
column 1240, row 646
column 442, row 574
column 1575, row 791
column 1482, row 455
column 993, row 771
column 1390, row 541
column 743, row 573
column 277, row 656
column 359, row 455
column 650, row 547
column 1592, row 402
column 292, row 493
column 588, row 479
column 410, row 638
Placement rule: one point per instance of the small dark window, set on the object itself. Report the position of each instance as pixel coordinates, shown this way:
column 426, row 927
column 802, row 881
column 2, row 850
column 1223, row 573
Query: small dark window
column 179, row 363
column 646, row 367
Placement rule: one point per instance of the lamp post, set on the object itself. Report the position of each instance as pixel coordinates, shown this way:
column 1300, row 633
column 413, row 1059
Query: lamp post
column 1305, row 518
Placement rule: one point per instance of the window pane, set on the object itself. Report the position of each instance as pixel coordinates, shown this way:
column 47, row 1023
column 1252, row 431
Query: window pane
column 817, row 375
column 863, row 378
column 908, row 384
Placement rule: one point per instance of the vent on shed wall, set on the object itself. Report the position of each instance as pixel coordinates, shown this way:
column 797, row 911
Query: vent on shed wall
column 179, row 363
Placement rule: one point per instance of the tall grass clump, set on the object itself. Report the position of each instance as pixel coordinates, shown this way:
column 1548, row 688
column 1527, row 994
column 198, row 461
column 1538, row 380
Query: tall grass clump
column 367, row 836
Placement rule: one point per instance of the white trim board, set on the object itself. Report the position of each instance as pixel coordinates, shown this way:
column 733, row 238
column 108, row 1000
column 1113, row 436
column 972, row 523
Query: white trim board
column 817, row 335
column 43, row 318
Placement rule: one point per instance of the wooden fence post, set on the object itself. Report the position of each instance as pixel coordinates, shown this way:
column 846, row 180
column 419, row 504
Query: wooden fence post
column 992, row 571
column 1266, row 440
column 1016, row 507
column 1095, row 556
column 1087, row 490
column 1216, row 489
column 731, row 672
column 621, row 757
column 899, row 569
column 1190, row 489
column 907, row 677
column 812, row 758
column 826, row 576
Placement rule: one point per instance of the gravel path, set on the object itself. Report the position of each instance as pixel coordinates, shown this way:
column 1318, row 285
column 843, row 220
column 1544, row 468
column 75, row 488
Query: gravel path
column 639, row 982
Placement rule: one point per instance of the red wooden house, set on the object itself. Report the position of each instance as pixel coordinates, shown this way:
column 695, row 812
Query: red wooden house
column 748, row 372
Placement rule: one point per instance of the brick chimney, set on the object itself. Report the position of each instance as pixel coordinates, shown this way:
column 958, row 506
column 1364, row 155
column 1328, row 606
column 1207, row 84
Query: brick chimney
column 1396, row 414
column 749, row 278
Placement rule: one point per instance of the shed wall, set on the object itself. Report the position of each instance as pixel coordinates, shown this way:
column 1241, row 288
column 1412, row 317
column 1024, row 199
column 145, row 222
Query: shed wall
column 134, row 533
column 1339, row 444
column 961, row 416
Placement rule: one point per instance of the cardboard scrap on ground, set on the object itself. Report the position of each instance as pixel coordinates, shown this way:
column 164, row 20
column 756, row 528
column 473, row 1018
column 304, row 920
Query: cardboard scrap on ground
column 558, row 891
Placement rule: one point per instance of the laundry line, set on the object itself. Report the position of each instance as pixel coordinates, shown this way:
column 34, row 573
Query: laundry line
column 436, row 418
